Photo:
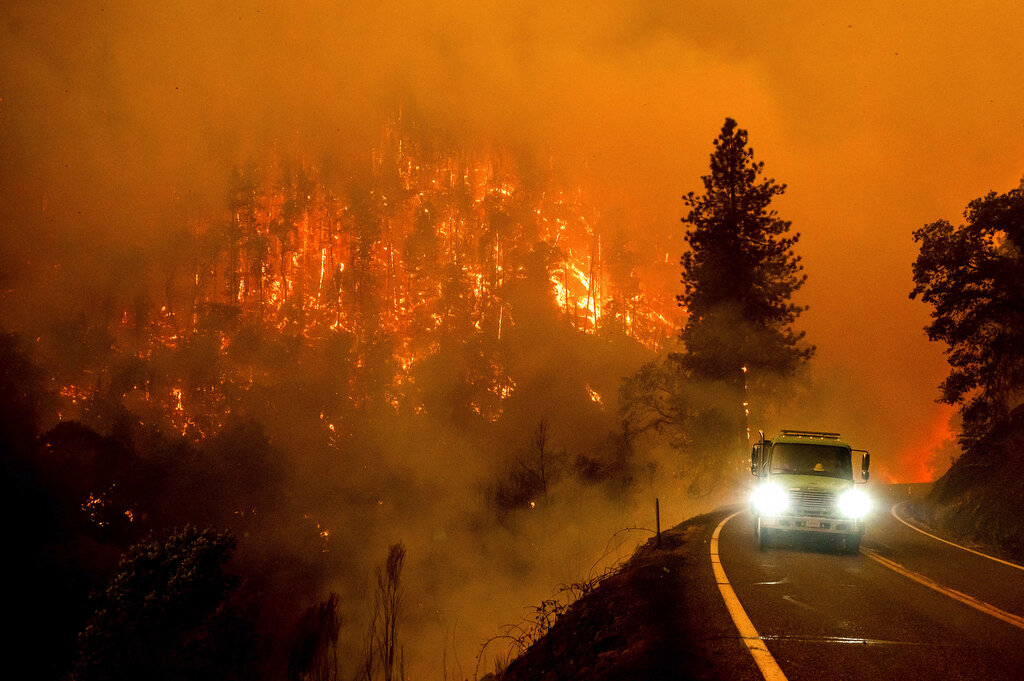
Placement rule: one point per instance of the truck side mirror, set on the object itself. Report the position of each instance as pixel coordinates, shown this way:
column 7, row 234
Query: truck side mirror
column 755, row 458
column 865, row 463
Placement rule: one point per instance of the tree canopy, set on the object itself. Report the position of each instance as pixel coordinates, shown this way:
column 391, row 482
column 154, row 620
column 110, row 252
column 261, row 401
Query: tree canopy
column 973, row 277
column 741, row 271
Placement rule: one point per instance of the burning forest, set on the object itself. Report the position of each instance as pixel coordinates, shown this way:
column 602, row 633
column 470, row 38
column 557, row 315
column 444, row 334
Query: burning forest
column 421, row 252
column 422, row 352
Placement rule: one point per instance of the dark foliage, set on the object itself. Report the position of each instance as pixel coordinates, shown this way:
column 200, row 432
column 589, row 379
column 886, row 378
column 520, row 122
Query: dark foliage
column 973, row 277
column 739, row 277
column 47, row 588
column 531, row 474
column 383, row 651
column 314, row 645
column 82, row 498
column 623, row 624
column 980, row 499
column 170, row 612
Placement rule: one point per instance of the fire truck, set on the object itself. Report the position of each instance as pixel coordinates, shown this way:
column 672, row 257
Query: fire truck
column 806, row 485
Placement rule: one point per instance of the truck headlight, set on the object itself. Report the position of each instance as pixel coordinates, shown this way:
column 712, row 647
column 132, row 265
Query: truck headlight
column 853, row 503
column 770, row 499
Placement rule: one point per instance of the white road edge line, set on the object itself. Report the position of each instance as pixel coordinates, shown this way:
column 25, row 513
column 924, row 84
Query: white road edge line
column 946, row 541
column 984, row 607
column 751, row 639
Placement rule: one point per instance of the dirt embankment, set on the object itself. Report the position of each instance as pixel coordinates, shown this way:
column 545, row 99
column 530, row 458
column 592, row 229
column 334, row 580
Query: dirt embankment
column 648, row 621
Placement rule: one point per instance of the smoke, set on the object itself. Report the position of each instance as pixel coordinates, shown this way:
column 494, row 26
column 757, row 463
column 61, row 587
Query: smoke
column 121, row 122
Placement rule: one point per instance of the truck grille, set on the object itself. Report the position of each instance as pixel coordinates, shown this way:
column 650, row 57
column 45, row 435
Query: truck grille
column 812, row 501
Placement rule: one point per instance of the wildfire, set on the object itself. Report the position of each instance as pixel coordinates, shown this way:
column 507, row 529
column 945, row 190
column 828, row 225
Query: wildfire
column 431, row 247
column 504, row 389
column 322, row 532
column 93, row 507
column 74, row 394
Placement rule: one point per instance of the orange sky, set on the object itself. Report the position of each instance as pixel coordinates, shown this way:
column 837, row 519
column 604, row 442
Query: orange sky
column 879, row 118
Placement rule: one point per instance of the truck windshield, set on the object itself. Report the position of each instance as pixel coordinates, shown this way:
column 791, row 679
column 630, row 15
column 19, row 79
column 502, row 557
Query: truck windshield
column 800, row 459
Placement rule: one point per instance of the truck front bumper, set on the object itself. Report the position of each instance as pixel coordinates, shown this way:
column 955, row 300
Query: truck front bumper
column 790, row 523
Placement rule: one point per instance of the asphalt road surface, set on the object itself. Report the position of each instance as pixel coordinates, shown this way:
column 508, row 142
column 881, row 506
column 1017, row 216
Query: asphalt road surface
column 908, row 606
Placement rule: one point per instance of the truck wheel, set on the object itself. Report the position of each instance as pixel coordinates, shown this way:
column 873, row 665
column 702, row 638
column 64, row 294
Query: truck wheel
column 852, row 543
column 762, row 536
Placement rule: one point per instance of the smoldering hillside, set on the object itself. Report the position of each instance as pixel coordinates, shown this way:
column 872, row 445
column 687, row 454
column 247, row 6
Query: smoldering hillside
column 264, row 317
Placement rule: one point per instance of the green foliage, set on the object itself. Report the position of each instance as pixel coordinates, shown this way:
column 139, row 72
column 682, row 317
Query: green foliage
column 169, row 612
column 973, row 277
column 741, row 271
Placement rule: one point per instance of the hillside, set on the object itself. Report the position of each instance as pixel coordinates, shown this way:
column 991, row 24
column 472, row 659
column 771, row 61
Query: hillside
column 644, row 622
column 980, row 499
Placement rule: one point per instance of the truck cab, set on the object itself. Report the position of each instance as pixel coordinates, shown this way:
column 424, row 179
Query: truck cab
column 806, row 484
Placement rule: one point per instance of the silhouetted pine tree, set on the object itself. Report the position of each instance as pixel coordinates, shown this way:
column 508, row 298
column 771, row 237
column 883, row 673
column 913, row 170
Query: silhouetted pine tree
column 739, row 277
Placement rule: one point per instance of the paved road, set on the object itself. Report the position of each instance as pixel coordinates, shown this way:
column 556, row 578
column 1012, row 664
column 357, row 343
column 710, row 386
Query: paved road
column 825, row 615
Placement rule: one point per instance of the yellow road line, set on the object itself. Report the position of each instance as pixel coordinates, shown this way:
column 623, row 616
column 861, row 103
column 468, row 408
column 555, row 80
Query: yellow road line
column 984, row 607
column 755, row 644
column 946, row 541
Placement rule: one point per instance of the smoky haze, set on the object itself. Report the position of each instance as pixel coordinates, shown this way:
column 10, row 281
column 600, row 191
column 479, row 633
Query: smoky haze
column 879, row 120
column 120, row 121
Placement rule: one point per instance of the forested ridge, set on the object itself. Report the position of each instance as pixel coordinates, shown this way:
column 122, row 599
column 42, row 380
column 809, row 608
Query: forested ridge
column 427, row 342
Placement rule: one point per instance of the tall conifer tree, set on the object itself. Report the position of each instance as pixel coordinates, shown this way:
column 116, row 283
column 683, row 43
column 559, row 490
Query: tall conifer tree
column 739, row 277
